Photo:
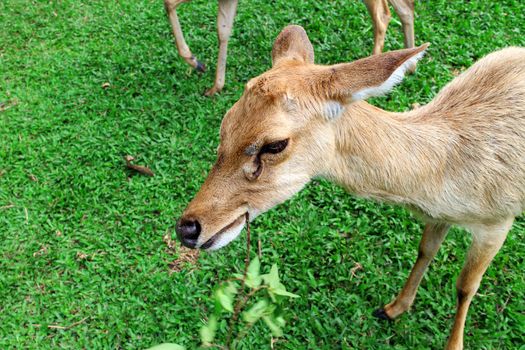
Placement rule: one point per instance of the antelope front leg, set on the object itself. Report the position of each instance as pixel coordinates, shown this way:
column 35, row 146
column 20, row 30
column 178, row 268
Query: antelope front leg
column 225, row 18
column 184, row 50
column 380, row 14
column 486, row 242
column 433, row 236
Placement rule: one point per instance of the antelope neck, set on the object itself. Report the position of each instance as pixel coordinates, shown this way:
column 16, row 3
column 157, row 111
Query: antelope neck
column 398, row 157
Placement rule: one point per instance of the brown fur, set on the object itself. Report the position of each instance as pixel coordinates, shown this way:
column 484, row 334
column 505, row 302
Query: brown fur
column 458, row 160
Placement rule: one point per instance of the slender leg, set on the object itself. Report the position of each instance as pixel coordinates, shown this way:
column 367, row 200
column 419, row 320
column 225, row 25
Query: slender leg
column 227, row 9
column 486, row 242
column 380, row 14
column 405, row 11
column 184, row 50
column 433, row 236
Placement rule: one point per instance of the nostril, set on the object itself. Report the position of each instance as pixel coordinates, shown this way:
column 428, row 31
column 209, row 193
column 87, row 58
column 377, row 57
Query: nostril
column 188, row 229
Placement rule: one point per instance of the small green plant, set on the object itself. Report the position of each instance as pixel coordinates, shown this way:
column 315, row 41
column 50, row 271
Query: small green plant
column 251, row 295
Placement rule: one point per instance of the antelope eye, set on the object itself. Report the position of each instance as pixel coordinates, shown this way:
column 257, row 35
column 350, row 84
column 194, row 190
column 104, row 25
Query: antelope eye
column 274, row 147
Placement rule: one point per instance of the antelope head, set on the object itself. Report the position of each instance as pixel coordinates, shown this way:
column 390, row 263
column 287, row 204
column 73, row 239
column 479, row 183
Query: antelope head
column 280, row 134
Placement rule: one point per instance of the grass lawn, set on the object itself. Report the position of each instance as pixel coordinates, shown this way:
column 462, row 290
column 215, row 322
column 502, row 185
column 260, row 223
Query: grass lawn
column 81, row 240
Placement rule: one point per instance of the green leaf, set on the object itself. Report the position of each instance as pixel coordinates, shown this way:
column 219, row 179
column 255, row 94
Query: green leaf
column 272, row 278
column 231, row 289
column 253, row 280
column 167, row 346
column 208, row 331
column 279, row 320
column 275, row 287
column 286, row 294
column 274, row 328
column 281, row 290
column 255, row 312
column 224, row 299
column 253, row 268
column 270, row 309
column 272, row 295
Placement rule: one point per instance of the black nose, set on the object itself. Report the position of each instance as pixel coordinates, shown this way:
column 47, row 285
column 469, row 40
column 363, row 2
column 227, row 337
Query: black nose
column 188, row 232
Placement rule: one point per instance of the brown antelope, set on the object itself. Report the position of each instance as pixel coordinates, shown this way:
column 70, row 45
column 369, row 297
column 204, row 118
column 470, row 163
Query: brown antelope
column 378, row 10
column 459, row 160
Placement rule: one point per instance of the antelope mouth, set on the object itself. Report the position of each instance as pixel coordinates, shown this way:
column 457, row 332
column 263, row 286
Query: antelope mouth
column 227, row 234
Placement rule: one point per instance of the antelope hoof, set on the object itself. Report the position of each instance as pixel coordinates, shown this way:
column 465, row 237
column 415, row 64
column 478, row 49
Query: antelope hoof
column 195, row 63
column 212, row 91
column 200, row 67
column 381, row 314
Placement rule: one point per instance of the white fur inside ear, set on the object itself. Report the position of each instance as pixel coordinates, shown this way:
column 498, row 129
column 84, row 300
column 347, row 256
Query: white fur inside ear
column 333, row 110
column 389, row 84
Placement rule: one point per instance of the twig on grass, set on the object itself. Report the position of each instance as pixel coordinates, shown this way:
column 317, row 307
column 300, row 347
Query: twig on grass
column 138, row 168
column 186, row 257
column 8, row 104
column 501, row 308
column 55, row 326
column 353, row 270
column 171, row 244
column 32, row 177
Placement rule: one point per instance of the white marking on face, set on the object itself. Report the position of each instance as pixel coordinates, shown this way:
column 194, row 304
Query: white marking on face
column 226, row 237
column 388, row 84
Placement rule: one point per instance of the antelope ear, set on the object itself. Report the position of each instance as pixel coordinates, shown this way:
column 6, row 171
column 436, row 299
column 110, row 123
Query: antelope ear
column 372, row 76
column 292, row 44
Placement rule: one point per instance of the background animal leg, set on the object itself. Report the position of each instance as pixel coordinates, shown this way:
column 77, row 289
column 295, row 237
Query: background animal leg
column 380, row 14
column 225, row 17
column 184, row 50
column 405, row 11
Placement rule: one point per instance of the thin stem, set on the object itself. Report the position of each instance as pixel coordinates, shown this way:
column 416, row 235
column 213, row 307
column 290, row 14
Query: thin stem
column 248, row 243
column 242, row 305
column 240, row 302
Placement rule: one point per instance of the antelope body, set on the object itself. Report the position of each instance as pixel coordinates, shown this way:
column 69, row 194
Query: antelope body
column 378, row 10
column 458, row 160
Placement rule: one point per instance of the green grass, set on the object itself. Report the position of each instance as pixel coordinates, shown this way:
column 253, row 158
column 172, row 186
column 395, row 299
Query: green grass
column 85, row 240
